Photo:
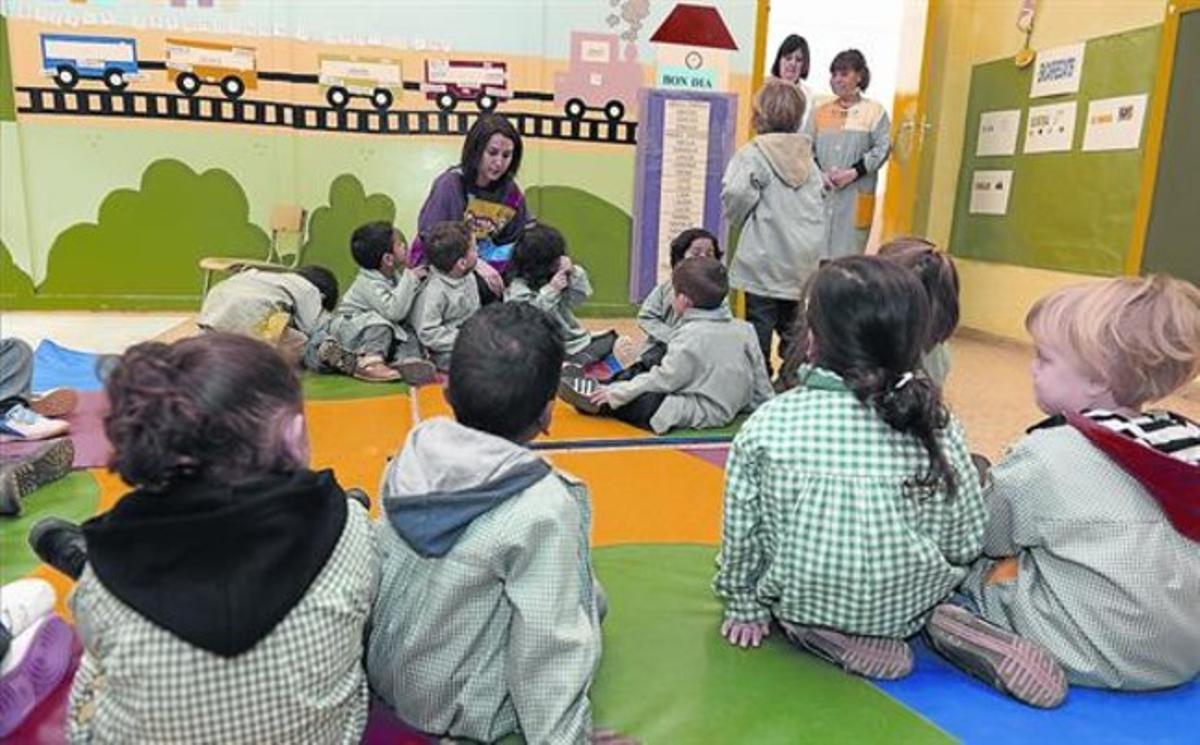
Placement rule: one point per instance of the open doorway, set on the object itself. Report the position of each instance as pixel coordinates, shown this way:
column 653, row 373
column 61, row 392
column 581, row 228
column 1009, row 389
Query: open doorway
column 874, row 27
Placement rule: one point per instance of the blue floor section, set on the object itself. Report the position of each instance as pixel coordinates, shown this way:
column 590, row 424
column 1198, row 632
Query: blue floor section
column 975, row 713
column 55, row 366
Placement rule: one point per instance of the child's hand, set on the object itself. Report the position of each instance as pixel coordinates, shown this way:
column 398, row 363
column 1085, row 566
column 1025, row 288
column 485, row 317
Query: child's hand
column 610, row 737
column 560, row 281
column 565, row 265
column 420, row 272
column 491, row 277
column 745, row 635
column 600, row 397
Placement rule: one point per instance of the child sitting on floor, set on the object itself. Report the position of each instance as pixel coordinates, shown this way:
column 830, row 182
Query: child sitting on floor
column 543, row 275
column 713, row 369
column 372, row 321
column 936, row 271
column 488, row 621
column 287, row 309
column 225, row 598
column 450, row 296
column 657, row 316
column 852, row 508
column 1083, row 556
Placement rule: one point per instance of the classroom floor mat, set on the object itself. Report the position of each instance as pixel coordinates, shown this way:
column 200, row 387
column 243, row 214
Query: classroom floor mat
column 56, row 366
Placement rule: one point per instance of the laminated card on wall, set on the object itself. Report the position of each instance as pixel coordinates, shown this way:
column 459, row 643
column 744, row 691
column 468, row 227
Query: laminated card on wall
column 998, row 132
column 1057, row 71
column 989, row 192
column 1115, row 123
column 1050, row 128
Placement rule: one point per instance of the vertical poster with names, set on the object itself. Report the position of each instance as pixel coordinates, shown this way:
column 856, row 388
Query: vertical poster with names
column 684, row 171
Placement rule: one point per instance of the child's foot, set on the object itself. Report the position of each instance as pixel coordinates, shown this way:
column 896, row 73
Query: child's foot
column 54, row 403
column 868, row 656
column 20, row 478
column 331, row 355
column 36, row 664
column 23, row 603
column 576, row 391
column 998, row 657
column 416, row 371
column 23, row 423
column 60, row 544
column 373, row 369
column 625, row 351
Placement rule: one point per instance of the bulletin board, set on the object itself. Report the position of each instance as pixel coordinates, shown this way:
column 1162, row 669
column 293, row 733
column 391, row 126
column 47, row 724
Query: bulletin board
column 1071, row 210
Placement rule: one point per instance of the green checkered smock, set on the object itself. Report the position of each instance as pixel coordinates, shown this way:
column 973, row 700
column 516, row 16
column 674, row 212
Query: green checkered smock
column 823, row 525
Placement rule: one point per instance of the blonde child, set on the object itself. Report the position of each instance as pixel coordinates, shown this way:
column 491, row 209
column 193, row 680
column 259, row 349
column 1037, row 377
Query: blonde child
column 852, row 508
column 1083, row 555
column 451, row 295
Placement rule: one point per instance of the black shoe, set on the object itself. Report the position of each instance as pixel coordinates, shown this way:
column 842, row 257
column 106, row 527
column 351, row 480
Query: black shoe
column 60, row 544
column 576, row 391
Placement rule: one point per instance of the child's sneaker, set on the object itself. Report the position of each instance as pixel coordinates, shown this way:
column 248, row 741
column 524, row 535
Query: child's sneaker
column 372, row 368
column 37, row 662
column 334, row 357
column 54, row 403
column 997, row 656
column 22, row 423
column 24, row 602
column 626, row 351
column 19, row 478
column 577, row 391
column 869, row 656
column 59, row 543
column 415, row 371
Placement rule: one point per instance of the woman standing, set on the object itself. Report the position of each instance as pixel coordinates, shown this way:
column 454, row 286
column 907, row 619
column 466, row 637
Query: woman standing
column 481, row 190
column 791, row 65
column 852, row 137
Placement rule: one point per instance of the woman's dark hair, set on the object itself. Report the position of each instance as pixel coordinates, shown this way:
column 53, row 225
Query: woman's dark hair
column 936, row 271
column 477, row 139
column 682, row 242
column 869, row 319
column 790, row 44
column 852, row 59
column 209, row 408
column 535, row 257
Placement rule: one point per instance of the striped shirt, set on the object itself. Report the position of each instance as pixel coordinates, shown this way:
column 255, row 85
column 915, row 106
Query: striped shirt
column 1164, row 431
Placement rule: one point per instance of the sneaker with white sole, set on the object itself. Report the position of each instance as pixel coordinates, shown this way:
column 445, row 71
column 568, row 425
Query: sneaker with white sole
column 54, row 403
column 37, row 662
column 998, row 657
column 415, row 371
column 23, row 602
column 577, row 391
column 23, row 423
column 23, row 476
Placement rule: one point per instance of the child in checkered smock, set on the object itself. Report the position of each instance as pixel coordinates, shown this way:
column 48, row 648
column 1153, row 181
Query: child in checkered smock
column 1095, row 514
column 852, row 508
column 225, row 598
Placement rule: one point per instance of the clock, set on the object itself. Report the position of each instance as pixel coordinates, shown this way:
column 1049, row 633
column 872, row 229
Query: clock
column 693, row 60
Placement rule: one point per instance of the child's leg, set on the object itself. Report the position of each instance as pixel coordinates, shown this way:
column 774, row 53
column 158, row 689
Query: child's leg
column 868, row 656
column 408, row 360
column 597, row 349
column 785, row 326
column 997, row 656
column 639, row 411
column 762, row 312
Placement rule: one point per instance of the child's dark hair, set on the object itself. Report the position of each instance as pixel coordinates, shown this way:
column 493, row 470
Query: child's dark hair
column 476, row 143
column 209, row 407
column 504, row 369
column 790, row 44
column 852, row 59
column 371, row 242
column 868, row 318
column 703, row 280
column 936, row 271
column 535, row 257
column 682, row 242
column 448, row 242
column 325, row 282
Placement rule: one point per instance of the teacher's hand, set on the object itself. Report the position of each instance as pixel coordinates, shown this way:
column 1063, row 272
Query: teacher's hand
column 491, row 277
column 843, row 177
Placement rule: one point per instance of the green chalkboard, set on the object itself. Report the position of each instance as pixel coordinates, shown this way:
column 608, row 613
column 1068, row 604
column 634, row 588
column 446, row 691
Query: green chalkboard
column 1173, row 236
column 1073, row 210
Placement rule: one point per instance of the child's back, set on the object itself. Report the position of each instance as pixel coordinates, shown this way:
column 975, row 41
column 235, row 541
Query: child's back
column 1104, row 579
column 487, row 620
column 245, row 302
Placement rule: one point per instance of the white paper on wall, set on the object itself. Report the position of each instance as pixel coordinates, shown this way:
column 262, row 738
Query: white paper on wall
column 989, row 192
column 1115, row 123
column 1057, row 71
column 1050, row 128
column 684, row 168
column 998, row 132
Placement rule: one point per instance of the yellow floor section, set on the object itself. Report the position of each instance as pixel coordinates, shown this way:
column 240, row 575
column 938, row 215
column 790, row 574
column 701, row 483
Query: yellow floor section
column 356, row 438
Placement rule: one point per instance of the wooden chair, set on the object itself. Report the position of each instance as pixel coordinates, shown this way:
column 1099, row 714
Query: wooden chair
column 288, row 223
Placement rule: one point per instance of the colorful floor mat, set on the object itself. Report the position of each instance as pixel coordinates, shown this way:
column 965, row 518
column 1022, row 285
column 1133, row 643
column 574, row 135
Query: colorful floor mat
column 56, row 366
column 87, row 433
column 73, row 498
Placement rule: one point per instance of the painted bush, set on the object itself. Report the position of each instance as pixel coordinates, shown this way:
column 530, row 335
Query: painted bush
column 330, row 226
column 14, row 283
column 147, row 242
